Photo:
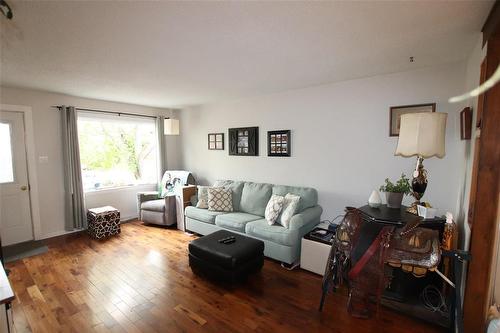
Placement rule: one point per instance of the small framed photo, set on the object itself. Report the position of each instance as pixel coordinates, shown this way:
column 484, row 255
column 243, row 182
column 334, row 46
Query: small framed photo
column 396, row 112
column 216, row 141
column 278, row 143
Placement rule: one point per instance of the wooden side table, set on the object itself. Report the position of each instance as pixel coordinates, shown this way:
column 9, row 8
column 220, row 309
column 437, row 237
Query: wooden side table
column 183, row 199
column 403, row 293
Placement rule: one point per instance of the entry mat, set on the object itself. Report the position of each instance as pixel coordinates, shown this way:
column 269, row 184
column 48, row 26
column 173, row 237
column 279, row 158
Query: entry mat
column 23, row 250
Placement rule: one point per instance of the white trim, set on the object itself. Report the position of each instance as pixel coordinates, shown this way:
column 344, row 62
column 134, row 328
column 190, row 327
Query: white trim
column 118, row 188
column 31, row 161
column 128, row 218
column 59, row 233
column 65, row 232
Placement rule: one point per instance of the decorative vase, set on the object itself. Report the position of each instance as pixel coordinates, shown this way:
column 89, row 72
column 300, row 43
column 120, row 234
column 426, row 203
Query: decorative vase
column 394, row 199
column 375, row 201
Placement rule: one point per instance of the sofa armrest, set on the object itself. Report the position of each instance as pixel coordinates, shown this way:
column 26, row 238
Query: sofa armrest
column 145, row 196
column 310, row 216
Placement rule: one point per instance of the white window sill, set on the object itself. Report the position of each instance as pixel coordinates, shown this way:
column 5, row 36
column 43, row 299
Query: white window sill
column 119, row 188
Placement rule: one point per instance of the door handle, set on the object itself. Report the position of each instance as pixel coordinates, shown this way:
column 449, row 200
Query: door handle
column 24, row 188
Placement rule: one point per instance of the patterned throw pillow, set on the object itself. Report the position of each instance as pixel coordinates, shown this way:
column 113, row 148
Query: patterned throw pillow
column 290, row 205
column 203, row 197
column 273, row 208
column 220, row 199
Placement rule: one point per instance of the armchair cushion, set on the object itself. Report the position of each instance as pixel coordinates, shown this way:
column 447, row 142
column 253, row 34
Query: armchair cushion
column 157, row 205
column 145, row 196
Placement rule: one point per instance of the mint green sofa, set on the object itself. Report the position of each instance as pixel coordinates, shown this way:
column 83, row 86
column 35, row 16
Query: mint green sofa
column 249, row 204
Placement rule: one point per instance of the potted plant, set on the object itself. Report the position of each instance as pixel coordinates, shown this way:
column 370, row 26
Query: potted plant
column 394, row 192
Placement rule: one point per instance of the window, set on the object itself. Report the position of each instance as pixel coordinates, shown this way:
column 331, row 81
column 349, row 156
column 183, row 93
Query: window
column 6, row 170
column 117, row 151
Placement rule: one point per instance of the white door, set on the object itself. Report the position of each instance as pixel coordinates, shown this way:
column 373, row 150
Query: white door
column 15, row 210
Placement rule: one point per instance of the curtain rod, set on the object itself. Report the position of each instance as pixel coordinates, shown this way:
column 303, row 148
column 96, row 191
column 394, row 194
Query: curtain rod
column 109, row 112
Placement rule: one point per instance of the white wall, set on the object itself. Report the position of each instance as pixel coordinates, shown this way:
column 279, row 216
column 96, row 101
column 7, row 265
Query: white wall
column 340, row 141
column 47, row 135
column 473, row 71
column 123, row 199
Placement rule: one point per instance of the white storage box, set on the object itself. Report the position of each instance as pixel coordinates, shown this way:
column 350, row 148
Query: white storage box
column 314, row 255
column 425, row 212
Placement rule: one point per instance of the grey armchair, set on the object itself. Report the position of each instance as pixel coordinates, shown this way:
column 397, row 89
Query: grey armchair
column 159, row 207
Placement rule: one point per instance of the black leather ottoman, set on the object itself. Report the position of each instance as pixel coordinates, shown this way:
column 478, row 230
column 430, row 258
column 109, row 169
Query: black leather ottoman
column 226, row 262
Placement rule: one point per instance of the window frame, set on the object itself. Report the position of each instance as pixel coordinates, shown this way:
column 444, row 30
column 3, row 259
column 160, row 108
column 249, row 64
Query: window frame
column 12, row 166
column 96, row 115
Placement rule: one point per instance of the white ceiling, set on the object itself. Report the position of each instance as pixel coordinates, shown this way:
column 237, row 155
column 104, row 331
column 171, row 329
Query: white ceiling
column 182, row 53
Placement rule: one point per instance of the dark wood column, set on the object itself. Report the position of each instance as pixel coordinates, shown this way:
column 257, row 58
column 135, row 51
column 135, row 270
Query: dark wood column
column 484, row 200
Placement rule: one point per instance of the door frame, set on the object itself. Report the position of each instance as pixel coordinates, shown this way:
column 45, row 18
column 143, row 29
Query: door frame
column 31, row 161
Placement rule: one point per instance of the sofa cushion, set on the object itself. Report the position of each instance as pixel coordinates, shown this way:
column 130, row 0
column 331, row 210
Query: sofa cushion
column 275, row 233
column 236, row 187
column 290, row 205
column 200, row 214
column 220, row 199
column 154, row 205
column 235, row 221
column 254, row 198
column 274, row 208
column 202, row 197
column 308, row 196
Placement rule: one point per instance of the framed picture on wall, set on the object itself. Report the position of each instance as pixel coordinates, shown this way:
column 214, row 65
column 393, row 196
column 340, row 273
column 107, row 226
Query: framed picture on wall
column 396, row 112
column 244, row 141
column 278, row 143
column 216, row 141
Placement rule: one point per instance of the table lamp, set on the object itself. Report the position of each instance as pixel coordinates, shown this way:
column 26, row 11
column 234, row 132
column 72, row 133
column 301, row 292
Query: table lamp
column 171, row 126
column 421, row 135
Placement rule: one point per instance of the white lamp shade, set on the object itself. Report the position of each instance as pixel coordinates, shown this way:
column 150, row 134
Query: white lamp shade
column 422, row 134
column 171, row 126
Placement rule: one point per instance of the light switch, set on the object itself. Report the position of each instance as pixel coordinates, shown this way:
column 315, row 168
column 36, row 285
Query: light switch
column 43, row 159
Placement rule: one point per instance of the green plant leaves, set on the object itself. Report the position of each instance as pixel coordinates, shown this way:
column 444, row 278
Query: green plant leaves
column 402, row 185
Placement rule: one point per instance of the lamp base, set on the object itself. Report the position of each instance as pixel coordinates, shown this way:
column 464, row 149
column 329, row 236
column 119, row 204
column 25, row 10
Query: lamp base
column 413, row 208
column 418, row 184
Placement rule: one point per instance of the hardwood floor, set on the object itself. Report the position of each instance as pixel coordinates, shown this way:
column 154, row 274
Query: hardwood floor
column 140, row 281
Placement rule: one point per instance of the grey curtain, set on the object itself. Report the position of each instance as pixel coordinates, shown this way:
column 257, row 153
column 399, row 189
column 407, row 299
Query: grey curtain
column 73, row 196
column 162, row 158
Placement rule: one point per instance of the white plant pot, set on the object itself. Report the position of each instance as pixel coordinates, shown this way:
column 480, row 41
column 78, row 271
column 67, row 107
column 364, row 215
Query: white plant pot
column 374, row 200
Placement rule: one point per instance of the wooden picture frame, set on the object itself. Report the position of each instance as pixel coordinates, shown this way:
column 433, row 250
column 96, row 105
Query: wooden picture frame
column 216, row 141
column 395, row 113
column 279, row 143
column 244, row 141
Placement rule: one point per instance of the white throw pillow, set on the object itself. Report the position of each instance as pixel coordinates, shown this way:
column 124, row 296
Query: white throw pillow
column 203, row 197
column 290, row 205
column 273, row 208
column 220, row 199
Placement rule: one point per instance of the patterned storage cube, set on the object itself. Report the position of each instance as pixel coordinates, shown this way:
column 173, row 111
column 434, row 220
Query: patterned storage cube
column 103, row 222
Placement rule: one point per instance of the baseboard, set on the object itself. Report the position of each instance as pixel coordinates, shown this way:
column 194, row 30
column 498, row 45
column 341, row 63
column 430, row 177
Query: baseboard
column 65, row 232
column 59, row 233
